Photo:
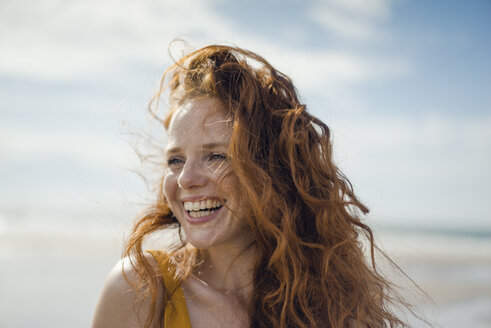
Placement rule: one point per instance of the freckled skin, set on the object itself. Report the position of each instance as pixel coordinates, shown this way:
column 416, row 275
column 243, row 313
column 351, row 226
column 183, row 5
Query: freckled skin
column 194, row 170
column 218, row 292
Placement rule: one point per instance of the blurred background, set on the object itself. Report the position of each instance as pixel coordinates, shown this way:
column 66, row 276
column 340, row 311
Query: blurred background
column 404, row 85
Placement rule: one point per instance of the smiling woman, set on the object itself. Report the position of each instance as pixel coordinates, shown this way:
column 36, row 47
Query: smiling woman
column 270, row 228
column 198, row 141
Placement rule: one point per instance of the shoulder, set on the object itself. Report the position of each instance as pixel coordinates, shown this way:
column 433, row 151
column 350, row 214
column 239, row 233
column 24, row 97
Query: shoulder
column 116, row 304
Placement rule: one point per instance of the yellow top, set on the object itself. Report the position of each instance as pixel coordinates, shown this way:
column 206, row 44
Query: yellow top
column 176, row 312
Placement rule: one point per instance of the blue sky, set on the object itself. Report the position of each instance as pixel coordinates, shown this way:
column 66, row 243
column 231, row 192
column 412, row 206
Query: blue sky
column 404, row 85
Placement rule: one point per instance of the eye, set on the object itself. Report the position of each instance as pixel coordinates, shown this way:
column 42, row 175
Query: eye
column 174, row 161
column 217, row 157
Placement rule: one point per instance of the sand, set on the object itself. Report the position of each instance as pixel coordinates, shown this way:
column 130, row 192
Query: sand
column 54, row 279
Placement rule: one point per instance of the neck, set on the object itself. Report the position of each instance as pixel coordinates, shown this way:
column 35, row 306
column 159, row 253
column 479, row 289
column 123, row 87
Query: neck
column 226, row 268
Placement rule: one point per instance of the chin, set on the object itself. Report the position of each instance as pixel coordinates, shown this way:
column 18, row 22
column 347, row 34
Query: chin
column 200, row 244
column 200, row 239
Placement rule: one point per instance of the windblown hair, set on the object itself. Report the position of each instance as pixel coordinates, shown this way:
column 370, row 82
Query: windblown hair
column 310, row 268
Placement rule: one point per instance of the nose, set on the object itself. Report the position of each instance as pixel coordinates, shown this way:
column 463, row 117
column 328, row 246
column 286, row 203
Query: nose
column 192, row 176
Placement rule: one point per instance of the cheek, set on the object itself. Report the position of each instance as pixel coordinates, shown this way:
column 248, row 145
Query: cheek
column 223, row 183
column 226, row 186
column 170, row 186
column 222, row 177
column 228, row 191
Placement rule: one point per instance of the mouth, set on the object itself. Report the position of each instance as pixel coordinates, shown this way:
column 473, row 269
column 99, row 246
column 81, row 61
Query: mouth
column 202, row 208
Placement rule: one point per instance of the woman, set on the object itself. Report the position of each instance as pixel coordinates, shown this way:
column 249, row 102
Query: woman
column 270, row 228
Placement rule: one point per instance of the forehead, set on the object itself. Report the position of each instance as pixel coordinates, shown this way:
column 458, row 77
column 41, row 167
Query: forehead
column 198, row 121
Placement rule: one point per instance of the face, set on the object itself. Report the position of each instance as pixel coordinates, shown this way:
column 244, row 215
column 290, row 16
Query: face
column 195, row 184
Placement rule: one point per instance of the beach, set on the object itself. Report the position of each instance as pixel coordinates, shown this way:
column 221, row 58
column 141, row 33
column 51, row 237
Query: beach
column 53, row 278
column 453, row 270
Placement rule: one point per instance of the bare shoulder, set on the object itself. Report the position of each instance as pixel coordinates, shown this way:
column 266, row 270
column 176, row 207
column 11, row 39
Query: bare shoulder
column 117, row 305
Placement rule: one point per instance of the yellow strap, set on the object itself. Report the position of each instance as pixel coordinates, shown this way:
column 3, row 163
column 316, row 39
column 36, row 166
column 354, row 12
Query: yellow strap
column 176, row 312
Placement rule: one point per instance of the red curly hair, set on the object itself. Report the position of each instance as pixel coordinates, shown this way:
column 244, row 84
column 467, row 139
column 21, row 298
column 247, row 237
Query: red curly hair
column 310, row 268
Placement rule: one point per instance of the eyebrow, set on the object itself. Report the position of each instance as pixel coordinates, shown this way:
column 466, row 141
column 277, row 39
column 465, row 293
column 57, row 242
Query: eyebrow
column 212, row 145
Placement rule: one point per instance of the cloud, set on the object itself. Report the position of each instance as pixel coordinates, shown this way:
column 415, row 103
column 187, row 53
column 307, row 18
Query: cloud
column 433, row 147
column 352, row 19
column 426, row 159
column 84, row 146
column 74, row 39
column 338, row 69
column 426, row 168
column 374, row 9
column 66, row 40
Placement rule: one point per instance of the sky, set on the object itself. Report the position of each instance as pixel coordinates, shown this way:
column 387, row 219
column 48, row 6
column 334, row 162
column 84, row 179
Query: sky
column 405, row 87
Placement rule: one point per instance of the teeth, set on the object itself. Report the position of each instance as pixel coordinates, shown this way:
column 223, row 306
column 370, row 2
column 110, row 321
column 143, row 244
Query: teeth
column 200, row 214
column 201, row 205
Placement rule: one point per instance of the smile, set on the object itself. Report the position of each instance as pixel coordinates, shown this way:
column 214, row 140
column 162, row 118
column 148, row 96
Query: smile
column 202, row 208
